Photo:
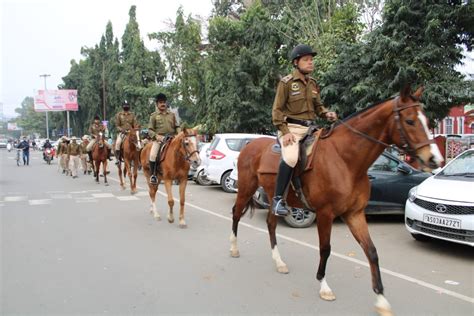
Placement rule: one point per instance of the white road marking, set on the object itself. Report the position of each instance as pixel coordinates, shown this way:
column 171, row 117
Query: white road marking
column 40, row 202
column 15, row 198
column 61, row 196
column 410, row 279
column 103, row 195
column 127, row 198
column 86, row 200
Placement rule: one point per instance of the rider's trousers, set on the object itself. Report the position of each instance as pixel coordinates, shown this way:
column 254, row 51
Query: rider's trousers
column 290, row 153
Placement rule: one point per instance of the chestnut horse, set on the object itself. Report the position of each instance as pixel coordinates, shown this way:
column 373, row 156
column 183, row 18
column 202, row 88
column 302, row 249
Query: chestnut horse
column 130, row 151
column 182, row 152
column 338, row 184
column 99, row 156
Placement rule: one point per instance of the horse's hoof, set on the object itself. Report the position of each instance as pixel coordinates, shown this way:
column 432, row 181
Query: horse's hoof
column 283, row 269
column 382, row 306
column 327, row 296
column 170, row 220
column 183, row 226
column 158, row 218
column 234, row 253
column 383, row 311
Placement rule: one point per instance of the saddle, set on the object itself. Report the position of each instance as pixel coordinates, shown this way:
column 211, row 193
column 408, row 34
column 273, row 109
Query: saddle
column 163, row 150
column 271, row 158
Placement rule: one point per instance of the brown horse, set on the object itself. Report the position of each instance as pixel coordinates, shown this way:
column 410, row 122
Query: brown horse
column 181, row 152
column 131, row 147
column 338, row 184
column 99, row 156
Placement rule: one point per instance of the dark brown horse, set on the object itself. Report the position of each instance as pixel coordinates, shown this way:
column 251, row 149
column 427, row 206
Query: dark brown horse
column 131, row 146
column 99, row 156
column 338, row 184
column 181, row 153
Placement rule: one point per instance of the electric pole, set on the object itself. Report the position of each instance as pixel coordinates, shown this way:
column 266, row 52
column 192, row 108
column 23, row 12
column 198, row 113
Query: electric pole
column 47, row 128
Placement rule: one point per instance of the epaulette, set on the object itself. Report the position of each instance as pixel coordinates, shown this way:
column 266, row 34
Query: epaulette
column 287, row 78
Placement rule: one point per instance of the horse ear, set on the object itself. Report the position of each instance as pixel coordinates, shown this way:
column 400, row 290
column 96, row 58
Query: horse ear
column 405, row 93
column 419, row 92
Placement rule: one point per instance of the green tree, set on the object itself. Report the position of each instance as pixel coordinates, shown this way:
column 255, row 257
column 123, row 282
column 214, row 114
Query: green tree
column 29, row 120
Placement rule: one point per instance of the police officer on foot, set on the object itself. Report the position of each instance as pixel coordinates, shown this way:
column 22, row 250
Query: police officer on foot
column 124, row 121
column 297, row 102
column 162, row 122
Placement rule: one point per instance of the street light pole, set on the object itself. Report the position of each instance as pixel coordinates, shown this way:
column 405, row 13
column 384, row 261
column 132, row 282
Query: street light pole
column 47, row 128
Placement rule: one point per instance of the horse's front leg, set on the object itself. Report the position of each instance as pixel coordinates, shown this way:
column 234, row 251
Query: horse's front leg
column 271, row 224
column 135, row 175
column 182, row 190
column 152, row 192
column 169, row 193
column 97, row 170
column 324, row 224
column 119, row 168
column 128, row 168
column 104, row 164
column 358, row 226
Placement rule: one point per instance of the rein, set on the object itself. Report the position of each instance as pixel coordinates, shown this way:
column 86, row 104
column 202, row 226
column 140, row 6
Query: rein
column 406, row 147
column 188, row 155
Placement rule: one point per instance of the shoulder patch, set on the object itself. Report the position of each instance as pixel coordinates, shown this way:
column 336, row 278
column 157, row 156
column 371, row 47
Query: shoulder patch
column 287, row 78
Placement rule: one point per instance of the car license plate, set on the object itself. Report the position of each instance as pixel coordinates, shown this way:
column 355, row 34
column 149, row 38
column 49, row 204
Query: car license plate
column 442, row 221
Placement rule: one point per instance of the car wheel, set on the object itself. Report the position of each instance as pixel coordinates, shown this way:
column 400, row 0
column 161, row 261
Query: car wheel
column 227, row 184
column 201, row 179
column 420, row 237
column 300, row 218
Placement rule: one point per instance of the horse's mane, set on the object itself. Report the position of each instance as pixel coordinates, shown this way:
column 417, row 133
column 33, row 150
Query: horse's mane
column 347, row 118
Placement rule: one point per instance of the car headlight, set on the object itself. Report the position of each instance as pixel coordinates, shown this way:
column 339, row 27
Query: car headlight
column 412, row 194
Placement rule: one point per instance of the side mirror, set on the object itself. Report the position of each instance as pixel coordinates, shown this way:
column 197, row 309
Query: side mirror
column 404, row 169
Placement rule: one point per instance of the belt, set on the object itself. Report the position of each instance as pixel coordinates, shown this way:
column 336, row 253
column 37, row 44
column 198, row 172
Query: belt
column 306, row 123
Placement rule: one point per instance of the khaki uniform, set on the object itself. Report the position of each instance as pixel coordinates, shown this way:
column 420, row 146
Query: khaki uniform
column 84, row 156
column 94, row 130
column 124, row 121
column 160, row 125
column 74, row 151
column 62, row 155
column 298, row 98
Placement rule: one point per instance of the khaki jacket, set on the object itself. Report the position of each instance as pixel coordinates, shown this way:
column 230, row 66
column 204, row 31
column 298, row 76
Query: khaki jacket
column 95, row 129
column 162, row 124
column 74, row 149
column 125, row 120
column 62, row 148
column 297, row 97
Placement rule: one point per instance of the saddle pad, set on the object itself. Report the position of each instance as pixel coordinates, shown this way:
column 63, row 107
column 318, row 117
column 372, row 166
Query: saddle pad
column 271, row 157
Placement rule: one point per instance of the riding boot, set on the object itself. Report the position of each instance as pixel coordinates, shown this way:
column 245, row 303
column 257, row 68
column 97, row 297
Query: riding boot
column 279, row 207
column 153, row 179
column 117, row 157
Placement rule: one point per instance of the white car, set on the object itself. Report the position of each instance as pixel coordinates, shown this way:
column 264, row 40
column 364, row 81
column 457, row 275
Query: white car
column 198, row 174
column 442, row 206
column 224, row 149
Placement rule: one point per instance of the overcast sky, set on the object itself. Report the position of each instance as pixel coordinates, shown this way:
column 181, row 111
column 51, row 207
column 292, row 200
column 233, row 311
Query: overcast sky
column 43, row 36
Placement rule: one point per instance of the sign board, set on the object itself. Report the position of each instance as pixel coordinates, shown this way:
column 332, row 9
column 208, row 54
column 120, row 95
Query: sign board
column 13, row 127
column 56, row 100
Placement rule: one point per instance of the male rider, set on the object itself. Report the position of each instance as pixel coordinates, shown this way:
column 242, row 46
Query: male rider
column 124, row 121
column 297, row 102
column 96, row 128
column 162, row 122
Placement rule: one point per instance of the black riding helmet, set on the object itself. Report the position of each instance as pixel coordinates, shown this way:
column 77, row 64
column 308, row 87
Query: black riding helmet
column 125, row 104
column 160, row 97
column 301, row 50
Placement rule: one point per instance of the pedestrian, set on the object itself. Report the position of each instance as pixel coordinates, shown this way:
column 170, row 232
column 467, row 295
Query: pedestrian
column 25, row 145
column 297, row 102
column 85, row 142
column 162, row 123
column 61, row 154
column 74, row 152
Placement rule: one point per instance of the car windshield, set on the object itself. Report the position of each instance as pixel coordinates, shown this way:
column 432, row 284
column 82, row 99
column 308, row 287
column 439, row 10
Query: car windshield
column 462, row 166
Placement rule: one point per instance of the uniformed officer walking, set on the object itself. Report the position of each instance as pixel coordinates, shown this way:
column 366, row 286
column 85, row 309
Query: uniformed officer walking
column 297, row 102
column 124, row 121
column 85, row 142
column 162, row 122
column 62, row 153
column 74, row 151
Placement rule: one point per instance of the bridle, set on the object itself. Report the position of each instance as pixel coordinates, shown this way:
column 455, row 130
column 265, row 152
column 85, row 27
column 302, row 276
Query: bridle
column 397, row 109
column 188, row 154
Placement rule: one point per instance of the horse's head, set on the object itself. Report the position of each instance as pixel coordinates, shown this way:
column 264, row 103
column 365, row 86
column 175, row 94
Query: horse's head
column 411, row 129
column 134, row 137
column 190, row 145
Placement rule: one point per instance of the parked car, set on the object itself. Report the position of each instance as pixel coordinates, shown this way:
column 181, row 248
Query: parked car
column 195, row 173
column 442, row 206
column 391, row 179
column 222, row 152
column 3, row 143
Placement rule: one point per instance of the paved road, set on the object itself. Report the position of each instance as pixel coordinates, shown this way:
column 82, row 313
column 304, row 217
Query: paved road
column 70, row 246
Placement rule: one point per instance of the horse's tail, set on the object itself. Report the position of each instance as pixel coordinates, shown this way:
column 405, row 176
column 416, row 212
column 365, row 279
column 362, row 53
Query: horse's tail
column 251, row 205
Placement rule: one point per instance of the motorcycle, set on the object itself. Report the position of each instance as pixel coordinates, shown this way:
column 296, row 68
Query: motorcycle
column 48, row 155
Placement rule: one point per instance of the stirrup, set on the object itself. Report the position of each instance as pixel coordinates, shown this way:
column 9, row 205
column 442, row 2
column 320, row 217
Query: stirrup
column 153, row 179
column 279, row 207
